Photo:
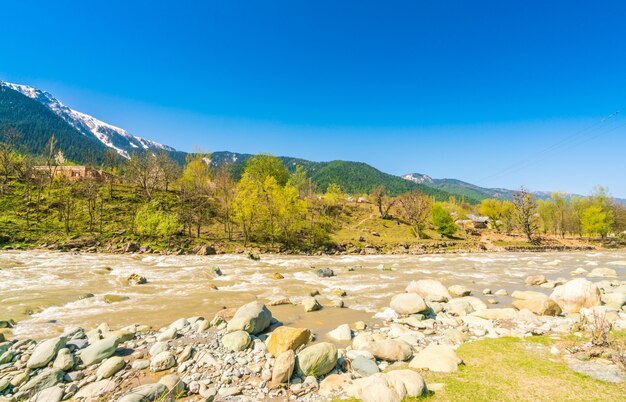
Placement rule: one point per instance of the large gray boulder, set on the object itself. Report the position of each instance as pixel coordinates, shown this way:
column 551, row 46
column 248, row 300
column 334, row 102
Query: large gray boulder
column 45, row 352
column 391, row 350
column 162, row 361
column 45, row 379
column 429, row 289
column 110, row 367
column 317, row 360
column 408, row 303
column 99, row 350
column 148, row 393
column 437, row 358
column 236, row 341
column 253, row 318
column 576, row 294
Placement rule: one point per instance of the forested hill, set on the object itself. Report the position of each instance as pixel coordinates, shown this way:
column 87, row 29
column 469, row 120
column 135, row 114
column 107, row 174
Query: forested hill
column 353, row 177
column 36, row 123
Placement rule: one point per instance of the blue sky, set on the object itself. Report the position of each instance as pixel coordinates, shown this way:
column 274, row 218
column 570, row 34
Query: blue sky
column 497, row 93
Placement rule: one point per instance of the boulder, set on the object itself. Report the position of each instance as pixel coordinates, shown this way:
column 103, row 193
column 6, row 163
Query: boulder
column 536, row 280
column 364, row 367
column 167, row 335
column 538, row 305
column 136, row 279
column 283, row 367
column 408, row 303
column 496, row 314
column 50, row 394
column 253, row 318
column 325, row 272
column 602, row 273
column 335, row 385
column 342, row 333
column 317, row 360
column 45, row 379
column 157, row 348
column 147, row 393
column 614, row 300
column 236, row 341
column 406, row 382
column 277, row 275
column 64, row 360
column 576, row 294
column 45, row 352
column 94, row 390
column 162, row 361
column 459, row 291
column 311, row 304
column 115, row 298
column 287, row 338
column 99, row 350
column 110, row 367
column 391, row 350
column 375, row 388
column 437, row 358
column 174, row 383
column 426, row 288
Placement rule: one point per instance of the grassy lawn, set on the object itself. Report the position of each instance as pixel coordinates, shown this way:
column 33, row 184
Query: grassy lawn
column 511, row 369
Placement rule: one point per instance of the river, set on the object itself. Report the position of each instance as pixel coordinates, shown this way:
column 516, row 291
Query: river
column 42, row 290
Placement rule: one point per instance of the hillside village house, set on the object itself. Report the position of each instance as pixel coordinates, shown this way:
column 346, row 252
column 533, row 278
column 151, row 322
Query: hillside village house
column 473, row 221
column 76, row 172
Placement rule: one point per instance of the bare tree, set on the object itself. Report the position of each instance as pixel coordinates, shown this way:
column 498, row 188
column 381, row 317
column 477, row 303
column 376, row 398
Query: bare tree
column 226, row 187
column 51, row 157
column 143, row 172
column 526, row 213
column 383, row 202
column 8, row 156
column 414, row 208
column 169, row 169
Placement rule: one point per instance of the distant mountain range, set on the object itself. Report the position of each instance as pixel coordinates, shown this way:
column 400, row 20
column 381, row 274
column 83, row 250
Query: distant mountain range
column 85, row 139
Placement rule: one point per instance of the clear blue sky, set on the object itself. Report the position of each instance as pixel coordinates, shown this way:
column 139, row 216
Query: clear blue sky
column 471, row 90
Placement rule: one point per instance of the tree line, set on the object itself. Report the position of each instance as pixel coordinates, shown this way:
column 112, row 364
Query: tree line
column 152, row 197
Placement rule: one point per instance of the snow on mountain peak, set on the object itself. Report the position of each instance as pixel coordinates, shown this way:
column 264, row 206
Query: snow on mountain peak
column 418, row 178
column 111, row 136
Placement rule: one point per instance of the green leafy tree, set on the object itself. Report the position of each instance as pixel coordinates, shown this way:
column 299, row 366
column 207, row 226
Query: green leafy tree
column 442, row 220
column 262, row 166
column 596, row 221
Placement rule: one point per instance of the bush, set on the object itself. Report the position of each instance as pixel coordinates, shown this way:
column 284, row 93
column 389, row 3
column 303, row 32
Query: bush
column 153, row 221
column 442, row 220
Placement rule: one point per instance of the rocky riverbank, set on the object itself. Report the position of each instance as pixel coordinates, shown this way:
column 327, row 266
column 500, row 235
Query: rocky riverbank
column 245, row 354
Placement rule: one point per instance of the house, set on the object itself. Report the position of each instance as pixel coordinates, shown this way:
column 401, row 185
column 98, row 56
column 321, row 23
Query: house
column 75, row 172
column 479, row 222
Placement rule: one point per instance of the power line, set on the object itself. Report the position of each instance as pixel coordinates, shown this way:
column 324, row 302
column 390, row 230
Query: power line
column 576, row 139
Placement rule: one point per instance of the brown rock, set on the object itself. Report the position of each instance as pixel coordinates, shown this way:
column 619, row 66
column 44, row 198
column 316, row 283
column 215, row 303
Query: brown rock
column 287, row 338
column 283, row 368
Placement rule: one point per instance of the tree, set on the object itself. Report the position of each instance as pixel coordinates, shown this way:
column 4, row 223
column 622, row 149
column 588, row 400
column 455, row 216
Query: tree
column 245, row 206
column 262, row 166
column 526, row 213
column 494, row 209
column 508, row 216
column 169, row 170
column 9, row 158
column 144, row 173
column 196, row 192
column 596, row 221
column 442, row 220
column 225, row 188
column 414, row 208
column 301, row 181
column 50, row 155
column 383, row 202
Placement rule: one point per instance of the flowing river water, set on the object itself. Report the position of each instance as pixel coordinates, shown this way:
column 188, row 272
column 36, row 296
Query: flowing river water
column 42, row 290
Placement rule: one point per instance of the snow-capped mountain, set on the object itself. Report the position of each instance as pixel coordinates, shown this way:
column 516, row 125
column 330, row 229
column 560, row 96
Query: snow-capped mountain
column 113, row 137
column 418, row 178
